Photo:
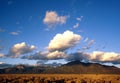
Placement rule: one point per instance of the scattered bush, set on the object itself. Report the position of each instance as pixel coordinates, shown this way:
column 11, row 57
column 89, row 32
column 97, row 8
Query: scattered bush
column 59, row 78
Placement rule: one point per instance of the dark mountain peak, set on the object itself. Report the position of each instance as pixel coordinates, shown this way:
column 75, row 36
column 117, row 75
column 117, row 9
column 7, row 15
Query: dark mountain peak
column 77, row 63
column 74, row 62
column 87, row 64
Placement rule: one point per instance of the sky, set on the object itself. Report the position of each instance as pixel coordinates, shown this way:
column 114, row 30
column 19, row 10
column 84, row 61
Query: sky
column 33, row 31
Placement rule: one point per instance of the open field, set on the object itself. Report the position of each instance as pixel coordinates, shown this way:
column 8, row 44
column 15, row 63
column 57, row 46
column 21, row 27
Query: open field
column 59, row 78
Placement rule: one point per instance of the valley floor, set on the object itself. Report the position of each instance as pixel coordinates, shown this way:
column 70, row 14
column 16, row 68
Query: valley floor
column 59, row 78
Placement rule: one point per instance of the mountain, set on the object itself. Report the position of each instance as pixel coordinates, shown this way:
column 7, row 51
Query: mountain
column 74, row 67
column 77, row 67
column 4, row 65
column 22, row 69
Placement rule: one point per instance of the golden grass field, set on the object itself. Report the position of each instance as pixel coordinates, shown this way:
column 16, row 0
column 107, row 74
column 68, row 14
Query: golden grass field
column 59, row 78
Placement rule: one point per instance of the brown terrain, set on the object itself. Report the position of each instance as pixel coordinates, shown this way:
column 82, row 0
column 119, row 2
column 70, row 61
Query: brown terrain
column 59, row 78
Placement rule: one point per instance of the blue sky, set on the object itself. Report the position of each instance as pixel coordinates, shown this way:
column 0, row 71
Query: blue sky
column 96, row 21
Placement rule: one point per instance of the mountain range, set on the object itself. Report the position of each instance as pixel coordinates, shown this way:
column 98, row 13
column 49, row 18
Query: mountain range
column 74, row 67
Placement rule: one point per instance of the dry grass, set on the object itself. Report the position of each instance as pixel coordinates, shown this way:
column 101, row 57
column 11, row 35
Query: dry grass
column 59, row 78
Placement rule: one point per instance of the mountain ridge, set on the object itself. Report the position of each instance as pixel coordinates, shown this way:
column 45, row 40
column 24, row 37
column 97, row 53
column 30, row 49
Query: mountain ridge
column 74, row 67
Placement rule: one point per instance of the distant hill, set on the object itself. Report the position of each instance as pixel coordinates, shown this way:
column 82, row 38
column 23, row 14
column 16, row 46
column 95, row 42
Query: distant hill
column 22, row 69
column 4, row 65
column 74, row 67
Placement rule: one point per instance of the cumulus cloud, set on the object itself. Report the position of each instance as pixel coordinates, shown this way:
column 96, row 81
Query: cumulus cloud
column 20, row 48
column 77, row 56
column 95, row 56
column 37, row 56
column 56, row 55
column 76, row 25
column 64, row 41
column 57, row 46
column 52, row 18
column 45, row 55
column 99, row 56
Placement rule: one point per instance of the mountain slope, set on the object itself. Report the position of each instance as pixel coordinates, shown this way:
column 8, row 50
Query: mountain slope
column 74, row 67
column 77, row 67
column 22, row 69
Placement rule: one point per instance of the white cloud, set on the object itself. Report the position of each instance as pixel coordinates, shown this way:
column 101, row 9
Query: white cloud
column 52, row 18
column 2, row 62
column 15, row 33
column 99, row 56
column 76, row 25
column 57, row 46
column 45, row 55
column 37, row 56
column 95, row 56
column 56, row 55
column 79, row 18
column 79, row 56
column 64, row 41
column 20, row 48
